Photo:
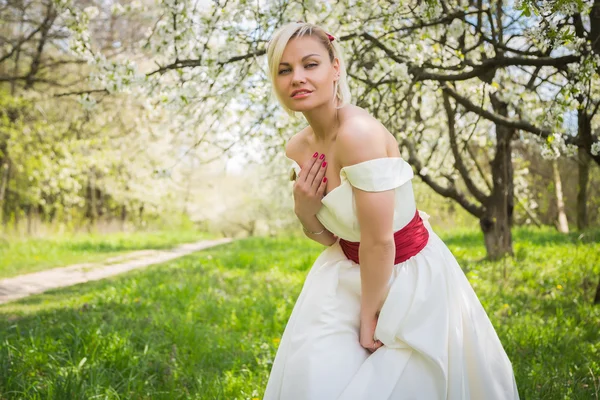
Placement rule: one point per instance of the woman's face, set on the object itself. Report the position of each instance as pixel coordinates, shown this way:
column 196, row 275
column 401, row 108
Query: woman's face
column 306, row 76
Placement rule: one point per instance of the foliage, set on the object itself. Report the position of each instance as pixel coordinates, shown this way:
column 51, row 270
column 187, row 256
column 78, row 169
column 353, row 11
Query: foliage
column 124, row 103
column 208, row 325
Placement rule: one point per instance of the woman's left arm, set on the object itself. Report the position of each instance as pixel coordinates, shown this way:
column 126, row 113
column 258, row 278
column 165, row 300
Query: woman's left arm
column 375, row 213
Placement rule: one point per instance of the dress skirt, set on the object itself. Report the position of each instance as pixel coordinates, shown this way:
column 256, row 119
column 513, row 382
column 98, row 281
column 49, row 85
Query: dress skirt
column 438, row 342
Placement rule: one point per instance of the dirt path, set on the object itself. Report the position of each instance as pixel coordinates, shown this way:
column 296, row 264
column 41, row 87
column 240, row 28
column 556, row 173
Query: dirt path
column 38, row 282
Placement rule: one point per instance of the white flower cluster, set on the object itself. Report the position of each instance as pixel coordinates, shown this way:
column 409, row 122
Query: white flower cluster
column 87, row 101
column 537, row 35
column 595, row 148
column 400, row 72
column 570, row 150
column 550, row 153
column 415, row 51
column 428, row 11
column 62, row 5
column 555, row 145
column 577, row 44
column 569, row 8
column 119, row 9
column 116, row 76
column 456, row 28
column 91, row 12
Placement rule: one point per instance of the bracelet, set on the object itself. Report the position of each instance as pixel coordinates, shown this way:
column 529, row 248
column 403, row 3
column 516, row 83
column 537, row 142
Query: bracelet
column 312, row 233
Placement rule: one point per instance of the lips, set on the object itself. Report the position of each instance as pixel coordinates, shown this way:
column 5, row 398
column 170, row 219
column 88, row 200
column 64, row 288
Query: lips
column 301, row 92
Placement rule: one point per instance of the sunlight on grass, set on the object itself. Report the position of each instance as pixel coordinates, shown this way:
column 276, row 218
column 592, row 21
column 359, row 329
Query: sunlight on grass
column 207, row 326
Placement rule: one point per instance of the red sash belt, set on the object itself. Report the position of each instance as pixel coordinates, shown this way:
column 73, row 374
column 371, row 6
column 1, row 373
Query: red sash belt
column 409, row 240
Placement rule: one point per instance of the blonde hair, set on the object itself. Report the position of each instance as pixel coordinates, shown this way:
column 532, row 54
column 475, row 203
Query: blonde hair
column 293, row 30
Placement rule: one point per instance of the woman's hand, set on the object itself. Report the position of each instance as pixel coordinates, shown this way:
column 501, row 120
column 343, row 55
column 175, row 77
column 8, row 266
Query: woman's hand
column 367, row 332
column 310, row 186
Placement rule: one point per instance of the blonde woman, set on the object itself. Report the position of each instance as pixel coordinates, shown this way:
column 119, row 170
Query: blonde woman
column 393, row 318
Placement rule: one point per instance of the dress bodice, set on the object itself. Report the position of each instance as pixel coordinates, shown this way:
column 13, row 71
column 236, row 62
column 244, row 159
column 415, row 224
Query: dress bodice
column 338, row 213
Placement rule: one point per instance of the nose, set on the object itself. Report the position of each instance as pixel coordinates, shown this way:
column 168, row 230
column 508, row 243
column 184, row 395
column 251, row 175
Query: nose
column 298, row 76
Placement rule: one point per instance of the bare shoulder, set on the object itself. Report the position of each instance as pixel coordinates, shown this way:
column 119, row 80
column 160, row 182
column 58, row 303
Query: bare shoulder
column 296, row 144
column 362, row 137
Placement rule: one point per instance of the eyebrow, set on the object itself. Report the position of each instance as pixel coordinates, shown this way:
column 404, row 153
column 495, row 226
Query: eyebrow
column 303, row 58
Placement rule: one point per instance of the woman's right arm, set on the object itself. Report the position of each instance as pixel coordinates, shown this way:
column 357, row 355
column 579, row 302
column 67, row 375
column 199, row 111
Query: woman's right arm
column 313, row 229
column 308, row 191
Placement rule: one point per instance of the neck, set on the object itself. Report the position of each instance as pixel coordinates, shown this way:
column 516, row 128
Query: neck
column 324, row 121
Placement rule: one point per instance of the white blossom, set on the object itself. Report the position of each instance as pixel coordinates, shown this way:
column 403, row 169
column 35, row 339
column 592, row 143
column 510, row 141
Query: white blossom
column 117, row 9
column 570, row 150
column 87, row 101
column 550, row 153
column 91, row 11
column 456, row 28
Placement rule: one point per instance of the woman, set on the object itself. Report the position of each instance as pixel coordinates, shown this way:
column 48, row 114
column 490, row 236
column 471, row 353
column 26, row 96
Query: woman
column 393, row 318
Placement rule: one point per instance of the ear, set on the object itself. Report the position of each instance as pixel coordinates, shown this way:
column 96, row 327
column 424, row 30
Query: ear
column 336, row 67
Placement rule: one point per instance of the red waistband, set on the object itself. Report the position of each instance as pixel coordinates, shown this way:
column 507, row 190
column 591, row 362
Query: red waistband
column 409, row 240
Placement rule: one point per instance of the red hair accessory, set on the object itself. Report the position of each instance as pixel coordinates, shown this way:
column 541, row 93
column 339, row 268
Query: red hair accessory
column 331, row 38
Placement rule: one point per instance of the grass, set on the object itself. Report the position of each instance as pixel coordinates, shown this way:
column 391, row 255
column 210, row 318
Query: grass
column 207, row 326
column 30, row 255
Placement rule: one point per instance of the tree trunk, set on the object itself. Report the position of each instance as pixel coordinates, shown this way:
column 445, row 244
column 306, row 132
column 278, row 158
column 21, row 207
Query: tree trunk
column 496, row 222
column 582, row 187
column 29, row 209
column 4, row 174
column 92, row 207
column 123, row 216
column 584, row 134
column 563, row 224
column 496, row 225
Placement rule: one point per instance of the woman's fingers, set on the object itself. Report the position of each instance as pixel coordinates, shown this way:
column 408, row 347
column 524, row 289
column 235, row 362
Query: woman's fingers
column 319, row 176
column 314, row 171
column 375, row 346
column 306, row 168
column 321, row 188
column 311, row 175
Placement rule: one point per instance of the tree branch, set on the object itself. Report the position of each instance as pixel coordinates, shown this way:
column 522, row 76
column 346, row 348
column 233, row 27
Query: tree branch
column 458, row 162
column 198, row 62
column 20, row 43
column 81, row 92
column 449, row 191
column 498, row 119
column 479, row 70
column 45, row 28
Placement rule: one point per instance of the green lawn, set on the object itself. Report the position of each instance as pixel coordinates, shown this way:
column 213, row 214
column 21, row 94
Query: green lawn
column 207, row 326
column 30, row 255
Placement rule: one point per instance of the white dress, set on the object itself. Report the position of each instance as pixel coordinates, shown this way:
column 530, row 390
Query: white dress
column 438, row 341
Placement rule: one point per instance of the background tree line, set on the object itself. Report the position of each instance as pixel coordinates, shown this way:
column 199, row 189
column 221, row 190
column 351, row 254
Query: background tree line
column 494, row 103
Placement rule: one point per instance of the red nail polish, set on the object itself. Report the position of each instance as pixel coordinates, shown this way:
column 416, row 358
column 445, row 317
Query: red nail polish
column 322, row 156
column 324, row 164
column 315, row 155
column 325, row 179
